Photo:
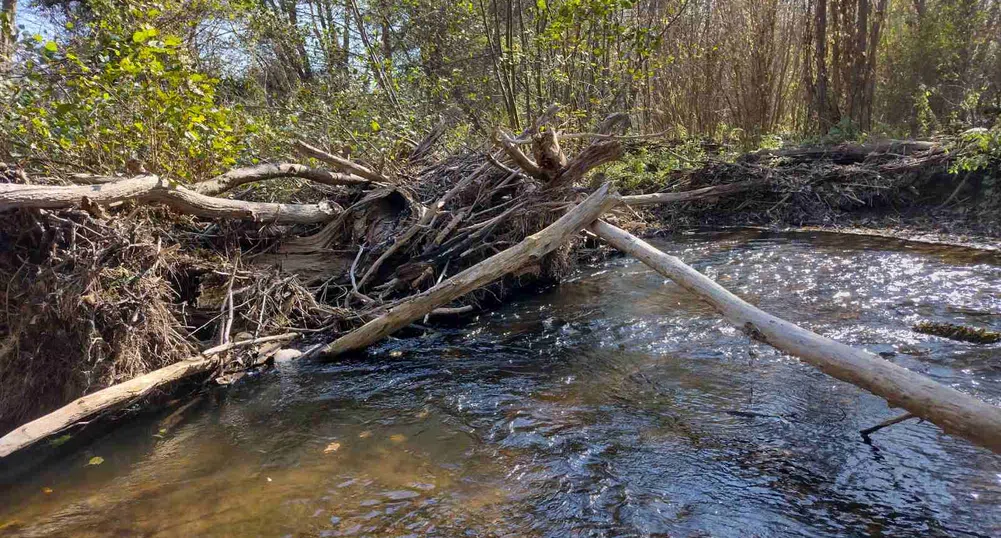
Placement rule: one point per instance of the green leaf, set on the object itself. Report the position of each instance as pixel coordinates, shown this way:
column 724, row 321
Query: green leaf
column 61, row 440
column 51, row 46
column 140, row 36
column 69, row 25
column 375, row 126
column 171, row 41
column 96, row 460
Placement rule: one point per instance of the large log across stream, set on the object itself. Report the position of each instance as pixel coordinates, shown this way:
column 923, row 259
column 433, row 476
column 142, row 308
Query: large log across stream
column 953, row 411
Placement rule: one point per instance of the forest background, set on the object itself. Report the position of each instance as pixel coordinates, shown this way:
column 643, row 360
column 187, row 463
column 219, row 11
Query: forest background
column 189, row 88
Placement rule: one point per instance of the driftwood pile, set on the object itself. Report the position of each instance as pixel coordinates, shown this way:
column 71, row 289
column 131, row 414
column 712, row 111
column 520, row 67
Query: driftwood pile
column 383, row 250
column 108, row 278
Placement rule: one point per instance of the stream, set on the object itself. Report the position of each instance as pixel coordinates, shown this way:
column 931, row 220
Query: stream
column 615, row 404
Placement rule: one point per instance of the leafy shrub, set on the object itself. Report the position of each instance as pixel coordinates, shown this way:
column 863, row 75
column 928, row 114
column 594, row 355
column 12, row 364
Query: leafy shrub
column 119, row 88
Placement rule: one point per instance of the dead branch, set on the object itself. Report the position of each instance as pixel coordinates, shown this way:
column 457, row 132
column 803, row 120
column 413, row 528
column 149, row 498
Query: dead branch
column 340, row 163
column 523, row 161
column 240, row 176
column 885, row 424
column 591, row 157
column 695, row 194
column 154, row 189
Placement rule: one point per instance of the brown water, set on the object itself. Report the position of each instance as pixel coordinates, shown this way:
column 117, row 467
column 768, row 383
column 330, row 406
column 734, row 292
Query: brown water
column 613, row 405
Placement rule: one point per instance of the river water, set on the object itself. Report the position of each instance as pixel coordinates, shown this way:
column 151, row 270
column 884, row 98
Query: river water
column 612, row 405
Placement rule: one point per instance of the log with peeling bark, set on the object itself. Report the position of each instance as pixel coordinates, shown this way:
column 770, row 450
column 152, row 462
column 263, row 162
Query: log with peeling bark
column 528, row 250
column 953, row 411
column 155, row 189
column 120, row 395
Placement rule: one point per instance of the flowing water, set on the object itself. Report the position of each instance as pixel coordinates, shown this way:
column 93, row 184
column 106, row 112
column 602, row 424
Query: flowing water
column 612, row 405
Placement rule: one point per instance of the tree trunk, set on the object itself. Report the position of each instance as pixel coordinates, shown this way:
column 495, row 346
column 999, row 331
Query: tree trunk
column 820, row 49
column 8, row 32
column 955, row 412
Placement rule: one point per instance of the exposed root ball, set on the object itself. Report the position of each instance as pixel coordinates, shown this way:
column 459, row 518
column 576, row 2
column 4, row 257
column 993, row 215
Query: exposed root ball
column 86, row 305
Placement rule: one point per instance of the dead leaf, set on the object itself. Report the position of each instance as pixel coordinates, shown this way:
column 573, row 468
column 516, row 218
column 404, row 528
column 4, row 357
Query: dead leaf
column 96, row 460
column 397, row 438
column 47, row 491
column 365, row 434
column 332, row 447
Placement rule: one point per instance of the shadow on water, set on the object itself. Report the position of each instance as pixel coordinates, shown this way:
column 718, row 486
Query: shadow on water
column 613, row 405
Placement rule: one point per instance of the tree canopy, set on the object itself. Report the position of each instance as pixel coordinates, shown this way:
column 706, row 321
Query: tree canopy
column 191, row 87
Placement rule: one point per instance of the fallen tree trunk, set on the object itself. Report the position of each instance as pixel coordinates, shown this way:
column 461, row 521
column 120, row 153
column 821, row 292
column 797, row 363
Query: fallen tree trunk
column 953, row 411
column 241, row 176
column 695, row 194
column 155, row 189
column 119, row 395
column 481, row 274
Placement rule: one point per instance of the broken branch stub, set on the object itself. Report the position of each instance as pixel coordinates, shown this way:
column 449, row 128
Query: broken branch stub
column 953, row 411
column 479, row 275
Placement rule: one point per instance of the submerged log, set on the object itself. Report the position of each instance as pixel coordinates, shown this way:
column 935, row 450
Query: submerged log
column 481, row 274
column 116, row 396
column 155, row 189
column 953, row 411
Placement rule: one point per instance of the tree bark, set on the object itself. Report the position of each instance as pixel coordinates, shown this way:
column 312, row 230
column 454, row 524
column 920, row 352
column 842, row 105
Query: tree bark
column 8, row 32
column 155, row 189
column 953, row 411
column 479, row 275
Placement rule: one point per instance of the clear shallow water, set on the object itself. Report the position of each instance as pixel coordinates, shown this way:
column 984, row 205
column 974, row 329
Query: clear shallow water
column 613, row 405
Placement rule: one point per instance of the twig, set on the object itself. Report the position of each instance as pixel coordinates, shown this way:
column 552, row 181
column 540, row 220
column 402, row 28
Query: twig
column 886, row 423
